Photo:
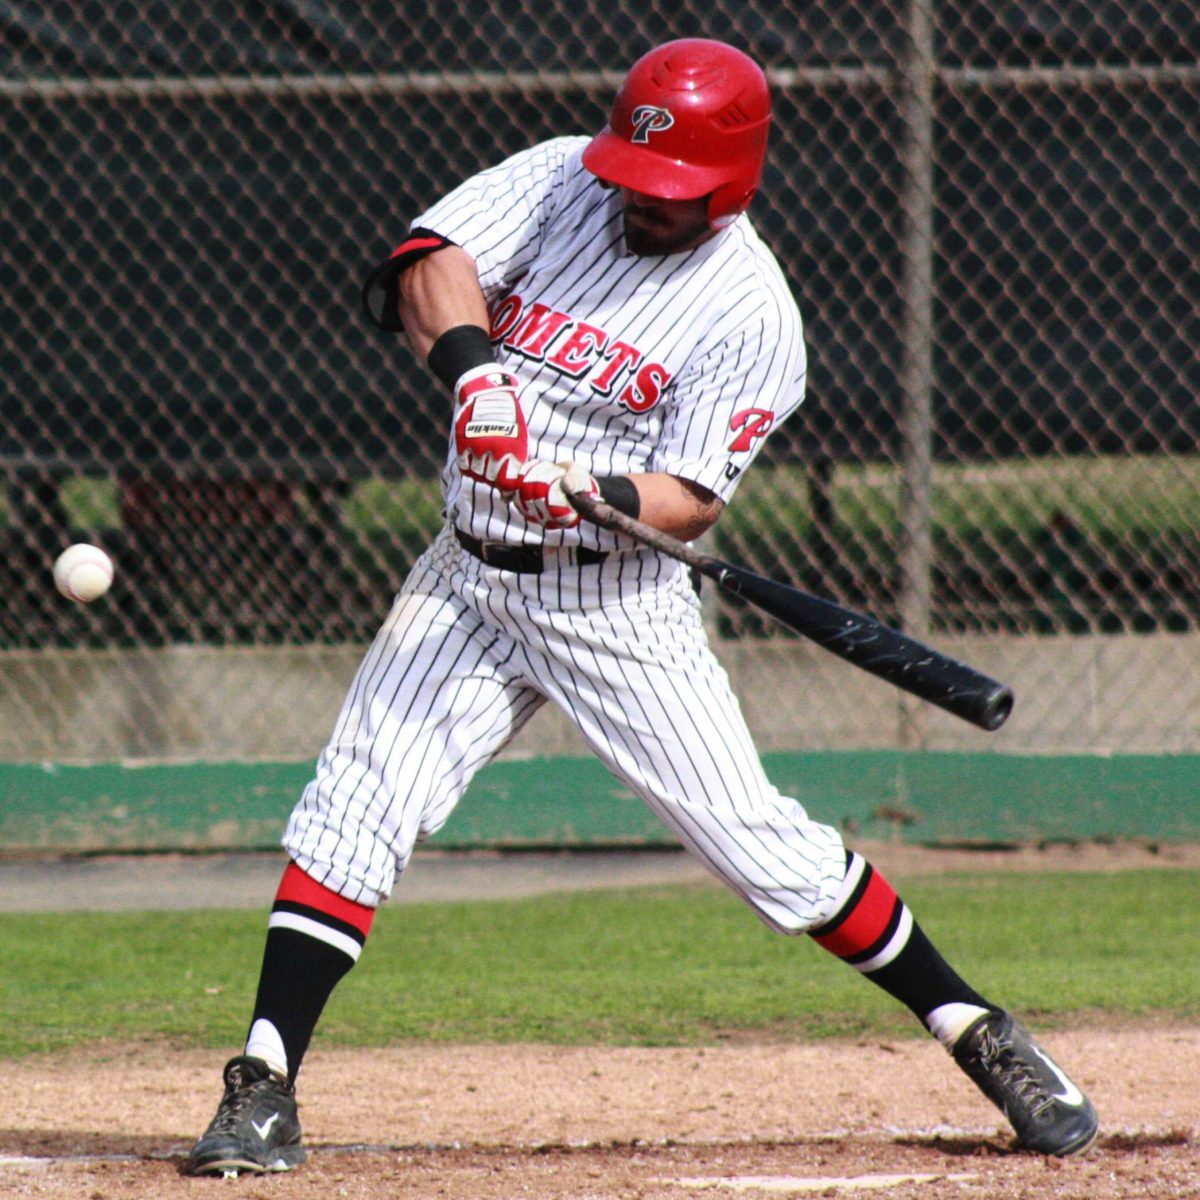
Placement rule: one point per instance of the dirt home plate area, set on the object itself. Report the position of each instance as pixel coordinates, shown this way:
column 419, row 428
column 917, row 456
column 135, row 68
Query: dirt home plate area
column 743, row 1120
column 891, row 1119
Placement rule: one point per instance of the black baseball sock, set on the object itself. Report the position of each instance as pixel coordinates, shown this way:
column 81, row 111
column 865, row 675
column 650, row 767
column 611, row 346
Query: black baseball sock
column 314, row 937
column 298, row 976
column 873, row 930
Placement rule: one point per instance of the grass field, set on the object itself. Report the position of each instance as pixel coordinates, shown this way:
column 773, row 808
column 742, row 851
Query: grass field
column 1101, row 495
column 1157, row 492
column 654, row 966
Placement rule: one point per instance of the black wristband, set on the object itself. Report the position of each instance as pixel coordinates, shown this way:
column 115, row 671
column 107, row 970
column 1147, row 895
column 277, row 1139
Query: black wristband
column 621, row 492
column 458, row 351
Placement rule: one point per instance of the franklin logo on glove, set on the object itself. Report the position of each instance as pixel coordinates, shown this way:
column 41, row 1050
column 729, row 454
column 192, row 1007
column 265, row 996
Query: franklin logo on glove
column 490, row 439
column 493, row 417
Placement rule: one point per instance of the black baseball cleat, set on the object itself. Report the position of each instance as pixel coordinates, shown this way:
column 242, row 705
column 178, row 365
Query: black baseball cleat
column 1049, row 1113
column 256, row 1128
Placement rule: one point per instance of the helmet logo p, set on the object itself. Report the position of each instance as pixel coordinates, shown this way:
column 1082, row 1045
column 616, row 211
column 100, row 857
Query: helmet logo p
column 648, row 119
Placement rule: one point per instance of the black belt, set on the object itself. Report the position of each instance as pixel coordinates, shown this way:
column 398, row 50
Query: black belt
column 523, row 560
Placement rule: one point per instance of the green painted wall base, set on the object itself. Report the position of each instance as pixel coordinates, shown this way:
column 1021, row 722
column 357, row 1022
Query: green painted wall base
column 922, row 797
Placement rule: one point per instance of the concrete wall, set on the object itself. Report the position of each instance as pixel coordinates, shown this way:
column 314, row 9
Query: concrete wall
column 1087, row 695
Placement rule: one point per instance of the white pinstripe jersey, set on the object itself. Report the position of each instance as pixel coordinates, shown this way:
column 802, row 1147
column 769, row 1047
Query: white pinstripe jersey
column 630, row 364
column 674, row 363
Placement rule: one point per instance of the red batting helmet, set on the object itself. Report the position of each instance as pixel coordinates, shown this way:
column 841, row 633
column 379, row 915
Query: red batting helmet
column 690, row 120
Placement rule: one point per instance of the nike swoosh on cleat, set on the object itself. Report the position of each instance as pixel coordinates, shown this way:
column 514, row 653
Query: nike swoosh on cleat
column 265, row 1128
column 1071, row 1094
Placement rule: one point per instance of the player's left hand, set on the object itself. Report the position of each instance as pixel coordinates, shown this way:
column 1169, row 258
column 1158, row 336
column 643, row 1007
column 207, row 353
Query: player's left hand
column 490, row 438
column 542, row 492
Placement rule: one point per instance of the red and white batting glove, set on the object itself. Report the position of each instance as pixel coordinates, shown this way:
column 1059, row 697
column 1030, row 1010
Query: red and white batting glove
column 490, row 438
column 542, row 493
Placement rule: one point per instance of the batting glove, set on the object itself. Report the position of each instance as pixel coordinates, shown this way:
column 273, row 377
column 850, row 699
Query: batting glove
column 490, row 438
column 542, row 493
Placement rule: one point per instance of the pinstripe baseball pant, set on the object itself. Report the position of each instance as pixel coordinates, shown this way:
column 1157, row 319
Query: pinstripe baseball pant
column 466, row 656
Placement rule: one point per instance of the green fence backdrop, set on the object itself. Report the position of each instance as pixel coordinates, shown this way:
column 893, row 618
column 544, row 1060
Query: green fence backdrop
column 990, row 216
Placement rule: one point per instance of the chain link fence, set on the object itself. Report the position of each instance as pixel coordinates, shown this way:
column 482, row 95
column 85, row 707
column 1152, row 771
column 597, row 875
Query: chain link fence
column 990, row 215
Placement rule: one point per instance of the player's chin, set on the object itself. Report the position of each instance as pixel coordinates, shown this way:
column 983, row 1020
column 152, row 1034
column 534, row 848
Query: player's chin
column 645, row 239
column 647, row 244
column 651, row 239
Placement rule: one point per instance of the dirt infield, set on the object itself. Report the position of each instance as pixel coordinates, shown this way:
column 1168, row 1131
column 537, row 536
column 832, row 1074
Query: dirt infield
column 747, row 1120
column 563, row 1123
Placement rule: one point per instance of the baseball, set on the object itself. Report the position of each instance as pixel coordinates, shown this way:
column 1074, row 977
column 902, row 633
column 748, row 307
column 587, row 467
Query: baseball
column 83, row 572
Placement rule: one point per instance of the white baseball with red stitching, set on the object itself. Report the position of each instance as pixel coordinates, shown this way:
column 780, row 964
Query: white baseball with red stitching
column 83, row 572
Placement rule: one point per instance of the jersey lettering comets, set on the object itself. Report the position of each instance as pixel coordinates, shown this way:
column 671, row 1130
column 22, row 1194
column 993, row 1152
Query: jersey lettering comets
column 577, row 349
column 628, row 363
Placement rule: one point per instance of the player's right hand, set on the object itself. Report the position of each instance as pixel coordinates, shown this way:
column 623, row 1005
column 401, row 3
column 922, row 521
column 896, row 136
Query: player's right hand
column 490, row 438
column 542, row 495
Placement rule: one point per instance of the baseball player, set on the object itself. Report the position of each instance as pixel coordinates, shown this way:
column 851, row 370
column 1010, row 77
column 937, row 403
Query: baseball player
column 604, row 319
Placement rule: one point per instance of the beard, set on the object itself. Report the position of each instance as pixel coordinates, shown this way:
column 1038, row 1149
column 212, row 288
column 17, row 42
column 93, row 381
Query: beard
column 648, row 231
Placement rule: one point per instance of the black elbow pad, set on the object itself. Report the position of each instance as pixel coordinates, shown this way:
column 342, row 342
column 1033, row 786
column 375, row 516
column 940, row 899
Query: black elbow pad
column 380, row 292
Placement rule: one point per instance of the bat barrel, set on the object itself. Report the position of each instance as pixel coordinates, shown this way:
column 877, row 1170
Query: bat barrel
column 877, row 648
column 942, row 681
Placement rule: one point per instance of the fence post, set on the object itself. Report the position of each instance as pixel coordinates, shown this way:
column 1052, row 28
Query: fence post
column 916, row 371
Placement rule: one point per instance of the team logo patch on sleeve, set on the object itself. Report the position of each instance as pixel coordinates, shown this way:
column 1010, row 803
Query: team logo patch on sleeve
column 753, row 423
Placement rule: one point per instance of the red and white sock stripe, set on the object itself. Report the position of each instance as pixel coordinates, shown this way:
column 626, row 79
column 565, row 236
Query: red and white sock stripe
column 308, row 907
column 871, row 925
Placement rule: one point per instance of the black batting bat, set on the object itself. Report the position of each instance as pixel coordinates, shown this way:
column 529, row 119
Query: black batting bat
column 859, row 639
